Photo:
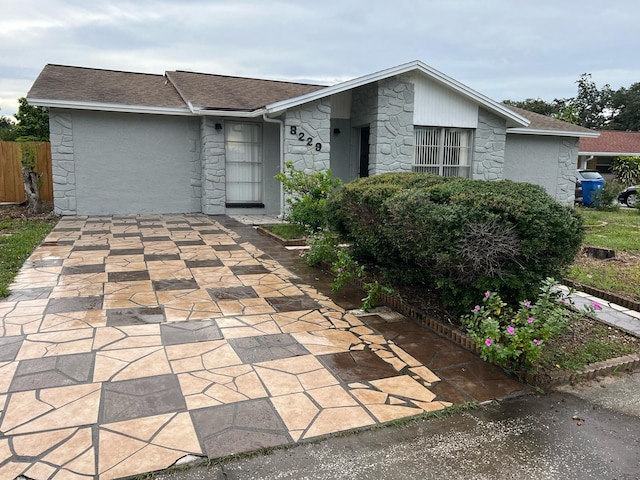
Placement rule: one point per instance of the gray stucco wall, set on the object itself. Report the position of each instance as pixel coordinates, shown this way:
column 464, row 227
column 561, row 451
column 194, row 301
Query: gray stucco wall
column 489, row 147
column 271, row 166
column 133, row 163
column 543, row 160
column 343, row 164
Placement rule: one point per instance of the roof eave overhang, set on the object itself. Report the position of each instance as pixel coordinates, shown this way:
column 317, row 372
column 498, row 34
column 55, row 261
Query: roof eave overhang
column 554, row 133
column 417, row 65
column 108, row 107
column 228, row 113
column 610, row 154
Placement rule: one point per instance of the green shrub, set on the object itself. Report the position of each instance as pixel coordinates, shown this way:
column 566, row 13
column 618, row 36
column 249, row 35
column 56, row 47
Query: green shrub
column 306, row 195
column 457, row 236
column 606, row 199
column 514, row 338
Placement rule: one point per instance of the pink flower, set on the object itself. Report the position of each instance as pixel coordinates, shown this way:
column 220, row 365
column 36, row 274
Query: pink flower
column 498, row 346
column 476, row 308
column 527, row 304
column 536, row 341
column 530, row 320
column 596, row 305
column 511, row 330
column 300, row 252
column 488, row 342
column 339, row 269
column 487, row 294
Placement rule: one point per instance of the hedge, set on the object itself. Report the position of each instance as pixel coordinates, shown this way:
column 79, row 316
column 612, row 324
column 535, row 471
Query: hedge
column 457, row 236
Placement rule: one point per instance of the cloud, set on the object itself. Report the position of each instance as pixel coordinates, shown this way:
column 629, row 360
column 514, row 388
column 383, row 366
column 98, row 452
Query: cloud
column 502, row 48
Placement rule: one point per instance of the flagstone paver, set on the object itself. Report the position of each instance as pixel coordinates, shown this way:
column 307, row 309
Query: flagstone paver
column 130, row 342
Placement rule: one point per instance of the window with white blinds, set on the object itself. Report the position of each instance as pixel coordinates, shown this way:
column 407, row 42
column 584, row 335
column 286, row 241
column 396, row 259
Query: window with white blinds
column 243, row 146
column 443, row 151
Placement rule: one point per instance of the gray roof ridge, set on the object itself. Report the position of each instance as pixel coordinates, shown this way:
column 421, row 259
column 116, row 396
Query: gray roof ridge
column 105, row 70
column 249, row 78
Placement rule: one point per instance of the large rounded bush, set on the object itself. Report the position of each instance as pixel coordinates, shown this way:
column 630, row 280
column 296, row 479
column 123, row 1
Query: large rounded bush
column 457, row 236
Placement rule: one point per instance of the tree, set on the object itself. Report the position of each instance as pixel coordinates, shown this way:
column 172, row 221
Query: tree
column 33, row 122
column 537, row 105
column 7, row 133
column 592, row 106
column 626, row 104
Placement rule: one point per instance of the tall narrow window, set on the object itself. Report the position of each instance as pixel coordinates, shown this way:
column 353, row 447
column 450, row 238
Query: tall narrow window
column 442, row 151
column 243, row 145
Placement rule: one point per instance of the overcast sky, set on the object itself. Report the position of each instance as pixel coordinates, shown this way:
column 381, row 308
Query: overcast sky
column 502, row 48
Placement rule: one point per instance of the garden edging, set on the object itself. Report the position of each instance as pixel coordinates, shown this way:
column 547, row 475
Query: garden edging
column 627, row 363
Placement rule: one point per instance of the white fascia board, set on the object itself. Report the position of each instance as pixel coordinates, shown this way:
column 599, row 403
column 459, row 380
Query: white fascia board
column 416, row 65
column 554, row 133
column 610, row 154
column 108, row 107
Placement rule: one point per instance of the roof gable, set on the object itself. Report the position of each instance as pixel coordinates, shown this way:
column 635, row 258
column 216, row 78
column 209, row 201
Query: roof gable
column 513, row 119
column 611, row 142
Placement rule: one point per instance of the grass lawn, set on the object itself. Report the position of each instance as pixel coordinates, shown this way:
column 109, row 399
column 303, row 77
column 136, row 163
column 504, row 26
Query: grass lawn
column 619, row 231
column 288, row 231
column 18, row 238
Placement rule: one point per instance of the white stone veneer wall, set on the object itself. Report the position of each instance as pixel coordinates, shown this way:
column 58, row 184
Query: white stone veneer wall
column 196, row 167
column 314, row 120
column 489, row 146
column 567, row 161
column 213, row 186
column 62, row 162
column 392, row 140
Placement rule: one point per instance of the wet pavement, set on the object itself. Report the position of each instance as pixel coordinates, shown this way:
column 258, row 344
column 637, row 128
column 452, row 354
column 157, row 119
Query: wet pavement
column 586, row 432
column 131, row 342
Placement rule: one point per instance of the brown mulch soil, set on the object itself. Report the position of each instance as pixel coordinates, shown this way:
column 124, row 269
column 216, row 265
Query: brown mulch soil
column 20, row 211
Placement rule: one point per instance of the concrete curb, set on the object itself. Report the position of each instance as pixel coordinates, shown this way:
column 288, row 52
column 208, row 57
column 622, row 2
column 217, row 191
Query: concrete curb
column 604, row 295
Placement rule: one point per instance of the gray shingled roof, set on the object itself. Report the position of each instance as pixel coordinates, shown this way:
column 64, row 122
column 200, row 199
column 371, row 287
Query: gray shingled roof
column 78, row 84
column 221, row 92
column 542, row 122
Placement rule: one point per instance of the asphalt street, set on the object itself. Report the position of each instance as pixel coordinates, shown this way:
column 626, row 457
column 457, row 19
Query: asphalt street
column 588, row 431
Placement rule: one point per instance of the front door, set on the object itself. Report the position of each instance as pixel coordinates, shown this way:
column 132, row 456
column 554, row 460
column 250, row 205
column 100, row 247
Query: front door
column 243, row 148
column 364, row 152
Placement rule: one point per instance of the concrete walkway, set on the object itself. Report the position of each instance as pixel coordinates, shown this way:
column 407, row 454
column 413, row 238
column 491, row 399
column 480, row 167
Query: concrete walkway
column 132, row 342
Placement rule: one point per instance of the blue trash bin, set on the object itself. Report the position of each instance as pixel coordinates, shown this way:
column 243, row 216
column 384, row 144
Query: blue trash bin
column 591, row 187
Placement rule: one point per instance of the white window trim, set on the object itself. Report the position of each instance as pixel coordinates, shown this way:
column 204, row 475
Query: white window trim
column 446, row 159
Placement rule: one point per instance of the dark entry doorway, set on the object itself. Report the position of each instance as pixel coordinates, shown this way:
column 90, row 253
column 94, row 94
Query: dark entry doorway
column 364, row 152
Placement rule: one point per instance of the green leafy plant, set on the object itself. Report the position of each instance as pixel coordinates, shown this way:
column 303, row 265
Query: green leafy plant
column 606, row 198
column 323, row 247
column 307, row 194
column 345, row 268
column 374, row 294
column 513, row 338
column 626, row 170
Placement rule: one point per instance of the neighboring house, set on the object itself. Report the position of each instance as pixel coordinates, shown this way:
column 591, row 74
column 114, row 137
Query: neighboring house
column 599, row 153
column 190, row 142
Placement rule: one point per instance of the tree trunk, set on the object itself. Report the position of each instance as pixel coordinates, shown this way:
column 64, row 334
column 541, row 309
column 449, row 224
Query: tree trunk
column 31, row 181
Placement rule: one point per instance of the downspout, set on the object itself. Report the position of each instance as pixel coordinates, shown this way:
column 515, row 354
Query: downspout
column 281, row 123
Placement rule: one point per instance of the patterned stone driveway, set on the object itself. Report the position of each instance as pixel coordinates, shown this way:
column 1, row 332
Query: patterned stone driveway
column 130, row 342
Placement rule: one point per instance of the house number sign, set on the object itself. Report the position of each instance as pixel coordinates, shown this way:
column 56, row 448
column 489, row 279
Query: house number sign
column 303, row 137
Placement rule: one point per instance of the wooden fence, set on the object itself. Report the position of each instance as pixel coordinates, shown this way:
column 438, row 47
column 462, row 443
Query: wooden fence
column 11, row 186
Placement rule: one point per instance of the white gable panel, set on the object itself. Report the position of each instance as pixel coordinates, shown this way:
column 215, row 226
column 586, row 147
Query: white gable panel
column 438, row 106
